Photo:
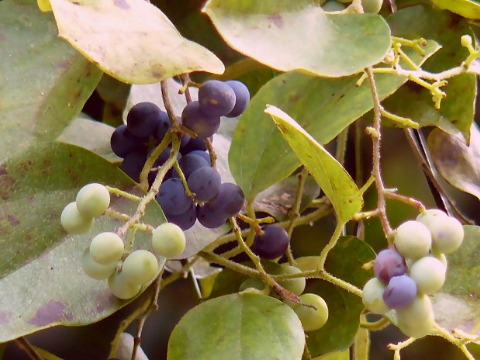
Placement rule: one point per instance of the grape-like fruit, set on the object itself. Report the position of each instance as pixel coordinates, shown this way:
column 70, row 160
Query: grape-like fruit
column 202, row 124
column 431, row 215
column 255, row 283
column 168, row 240
column 73, row 221
column 229, row 200
column 124, row 143
column 413, row 239
column 209, row 217
column 311, row 319
column 140, row 267
column 242, row 97
column 429, row 274
column 106, row 248
column 192, row 145
column 389, row 263
column 143, row 119
column 163, row 125
column 186, row 219
column 172, row 197
column 121, row 288
column 372, row 296
column 191, row 162
column 202, row 154
column 93, row 199
column 205, row 183
column 400, row 292
column 332, row 5
column 94, row 269
column 272, row 244
column 295, row 285
column 417, row 319
column 447, row 235
column 372, row 6
column 133, row 163
column 216, row 98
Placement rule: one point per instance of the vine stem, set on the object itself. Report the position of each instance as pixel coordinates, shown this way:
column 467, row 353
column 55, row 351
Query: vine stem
column 125, row 194
column 401, row 345
column 375, row 325
column 376, row 144
column 242, row 269
column 460, row 343
column 330, row 245
column 25, row 345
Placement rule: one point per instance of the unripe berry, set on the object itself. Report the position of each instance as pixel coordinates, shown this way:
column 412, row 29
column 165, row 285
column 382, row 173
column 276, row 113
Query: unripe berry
column 311, row 319
column 73, row 221
column 413, row 239
column 295, row 285
column 168, row 240
column 372, row 296
column 106, row 248
column 95, row 270
column 417, row 319
column 93, row 199
column 429, row 274
column 140, row 267
column 121, row 288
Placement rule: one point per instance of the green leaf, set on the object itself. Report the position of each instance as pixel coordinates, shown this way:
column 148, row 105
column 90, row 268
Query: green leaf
column 323, row 107
column 345, row 261
column 299, row 35
column 131, row 40
column 415, row 102
column 466, row 8
column 44, row 81
column 41, row 280
column 243, row 326
column 333, row 179
column 343, row 355
column 457, row 162
column 460, row 294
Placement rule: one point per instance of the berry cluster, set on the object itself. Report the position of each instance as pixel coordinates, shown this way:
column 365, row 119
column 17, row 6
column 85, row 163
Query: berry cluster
column 213, row 201
column 415, row 268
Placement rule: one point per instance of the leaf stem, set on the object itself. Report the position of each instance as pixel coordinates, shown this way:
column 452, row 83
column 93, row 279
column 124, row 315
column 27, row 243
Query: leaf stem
column 330, row 245
column 25, row 345
column 125, row 194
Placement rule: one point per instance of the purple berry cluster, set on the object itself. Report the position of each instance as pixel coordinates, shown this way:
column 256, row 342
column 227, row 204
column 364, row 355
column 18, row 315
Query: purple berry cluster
column 213, row 201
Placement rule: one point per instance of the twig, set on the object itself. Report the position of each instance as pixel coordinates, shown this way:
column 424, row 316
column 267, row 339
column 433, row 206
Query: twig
column 25, row 345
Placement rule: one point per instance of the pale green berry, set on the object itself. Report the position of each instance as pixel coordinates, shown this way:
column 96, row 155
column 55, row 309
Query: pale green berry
column 429, row 274
column 295, row 285
column 447, row 235
column 95, row 270
column 106, row 248
column 121, row 288
column 413, row 239
column 372, row 6
column 416, row 319
column 372, row 296
column 168, row 240
column 332, row 5
column 73, row 221
column 93, row 199
column 431, row 216
column 255, row 283
column 140, row 267
column 311, row 319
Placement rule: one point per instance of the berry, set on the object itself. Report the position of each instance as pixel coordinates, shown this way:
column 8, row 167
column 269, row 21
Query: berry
column 140, row 267
column 389, row 263
column 216, row 98
column 413, row 239
column 168, row 240
column 191, row 162
column 93, row 199
column 372, row 6
column 192, row 145
column 310, row 318
column 202, row 154
column 121, row 288
column 272, row 244
column 172, row 197
column 143, row 119
column 202, row 124
column 332, row 5
column 400, row 292
column 430, row 216
column 186, row 219
column 94, row 269
column 417, row 319
column 124, row 143
column 73, row 221
column 204, row 182
column 208, row 217
column 372, row 296
column 447, row 235
column 242, row 97
column 229, row 200
column 163, row 125
column 429, row 274
column 106, row 248
column 295, row 285
column 254, row 283
column 133, row 163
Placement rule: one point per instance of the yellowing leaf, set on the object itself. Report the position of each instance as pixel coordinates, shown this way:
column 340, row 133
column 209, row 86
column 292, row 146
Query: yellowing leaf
column 44, row 5
column 466, row 8
column 131, row 40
